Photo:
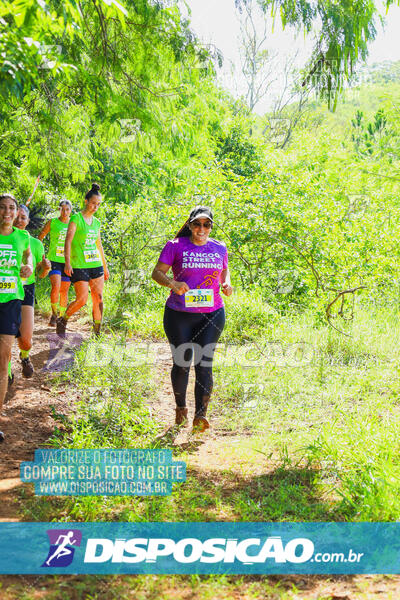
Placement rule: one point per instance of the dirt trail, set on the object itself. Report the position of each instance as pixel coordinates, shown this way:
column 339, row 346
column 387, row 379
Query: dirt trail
column 164, row 405
column 208, row 450
column 29, row 424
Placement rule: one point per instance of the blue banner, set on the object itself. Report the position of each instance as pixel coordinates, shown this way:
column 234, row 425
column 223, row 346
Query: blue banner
column 174, row 548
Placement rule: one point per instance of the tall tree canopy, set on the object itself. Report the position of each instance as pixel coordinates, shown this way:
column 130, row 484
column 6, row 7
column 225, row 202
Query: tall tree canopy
column 343, row 31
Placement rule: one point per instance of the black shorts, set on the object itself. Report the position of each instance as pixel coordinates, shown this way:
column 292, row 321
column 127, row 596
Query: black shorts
column 86, row 274
column 29, row 298
column 57, row 268
column 10, row 317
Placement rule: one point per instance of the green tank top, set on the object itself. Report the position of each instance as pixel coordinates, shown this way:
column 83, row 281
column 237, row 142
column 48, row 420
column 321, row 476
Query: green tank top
column 37, row 250
column 12, row 248
column 84, row 252
column 58, row 231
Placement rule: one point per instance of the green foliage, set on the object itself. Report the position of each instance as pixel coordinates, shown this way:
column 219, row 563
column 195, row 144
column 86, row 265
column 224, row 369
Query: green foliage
column 112, row 410
column 141, row 114
column 31, row 36
column 299, row 227
column 367, row 138
column 237, row 154
column 344, row 31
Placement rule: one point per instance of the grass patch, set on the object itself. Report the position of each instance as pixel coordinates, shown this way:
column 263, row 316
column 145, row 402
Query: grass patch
column 320, row 411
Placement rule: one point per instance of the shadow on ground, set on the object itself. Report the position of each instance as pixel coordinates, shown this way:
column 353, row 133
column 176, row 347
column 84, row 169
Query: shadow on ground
column 198, row 587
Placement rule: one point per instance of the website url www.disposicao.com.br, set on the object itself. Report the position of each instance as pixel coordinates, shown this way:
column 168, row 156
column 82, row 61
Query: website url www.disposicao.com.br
column 212, row 550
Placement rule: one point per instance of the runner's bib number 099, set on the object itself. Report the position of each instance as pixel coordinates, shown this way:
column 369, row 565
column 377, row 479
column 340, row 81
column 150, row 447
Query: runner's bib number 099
column 8, row 285
column 91, row 255
column 199, row 298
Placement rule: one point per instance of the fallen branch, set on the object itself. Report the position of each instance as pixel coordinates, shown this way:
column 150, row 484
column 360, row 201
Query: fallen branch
column 341, row 296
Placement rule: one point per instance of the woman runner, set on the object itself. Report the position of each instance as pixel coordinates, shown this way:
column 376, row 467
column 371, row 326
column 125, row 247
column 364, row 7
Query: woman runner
column 85, row 262
column 194, row 315
column 15, row 264
column 41, row 266
column 60, row 282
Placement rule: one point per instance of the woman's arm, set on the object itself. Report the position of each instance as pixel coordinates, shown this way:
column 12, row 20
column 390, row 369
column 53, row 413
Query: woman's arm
column 43, row 267
column 225, row 280
column 45, row 231
column 159, row 275
column 26, row 269
column 67, row 247
column 103, row 258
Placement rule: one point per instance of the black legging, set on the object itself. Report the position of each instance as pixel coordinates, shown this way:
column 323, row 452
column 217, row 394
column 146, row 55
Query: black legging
column 186, row 330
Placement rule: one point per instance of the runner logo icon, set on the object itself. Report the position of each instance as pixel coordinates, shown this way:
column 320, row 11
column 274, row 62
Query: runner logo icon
column 61, row 551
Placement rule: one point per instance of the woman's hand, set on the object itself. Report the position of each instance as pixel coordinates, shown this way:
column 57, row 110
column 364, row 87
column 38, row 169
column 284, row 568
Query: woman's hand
column 180, row 287
column 25, row 271
column 68, row 269
column 106, row 273
column 227, row 289
column 45, row 264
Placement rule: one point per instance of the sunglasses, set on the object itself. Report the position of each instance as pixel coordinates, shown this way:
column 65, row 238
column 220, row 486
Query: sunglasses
column 207, row 225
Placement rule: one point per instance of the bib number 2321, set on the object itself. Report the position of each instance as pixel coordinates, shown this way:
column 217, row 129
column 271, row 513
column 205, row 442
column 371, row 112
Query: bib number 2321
column 199, row 298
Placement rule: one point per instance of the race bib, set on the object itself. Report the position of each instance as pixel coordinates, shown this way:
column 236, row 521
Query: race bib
column 199, row 298
column 60, row 251
column 8, row 285
column 91, row 255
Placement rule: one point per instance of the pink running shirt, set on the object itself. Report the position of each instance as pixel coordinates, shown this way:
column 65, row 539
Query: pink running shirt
column 198, row 266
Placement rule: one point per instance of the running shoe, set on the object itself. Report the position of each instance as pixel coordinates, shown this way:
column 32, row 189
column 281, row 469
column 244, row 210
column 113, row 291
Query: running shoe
column 53, row 320
column 181, row 414
column 61, row 326
column 27, row 367
column 96, row 329
column 200, row 424
column 1, row 437
column 10, row 380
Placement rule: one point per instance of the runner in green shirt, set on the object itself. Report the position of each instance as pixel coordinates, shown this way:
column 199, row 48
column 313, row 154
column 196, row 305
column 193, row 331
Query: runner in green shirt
column 60, row 282
column 85, row 262
column 15, row 264
column 41, row 266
